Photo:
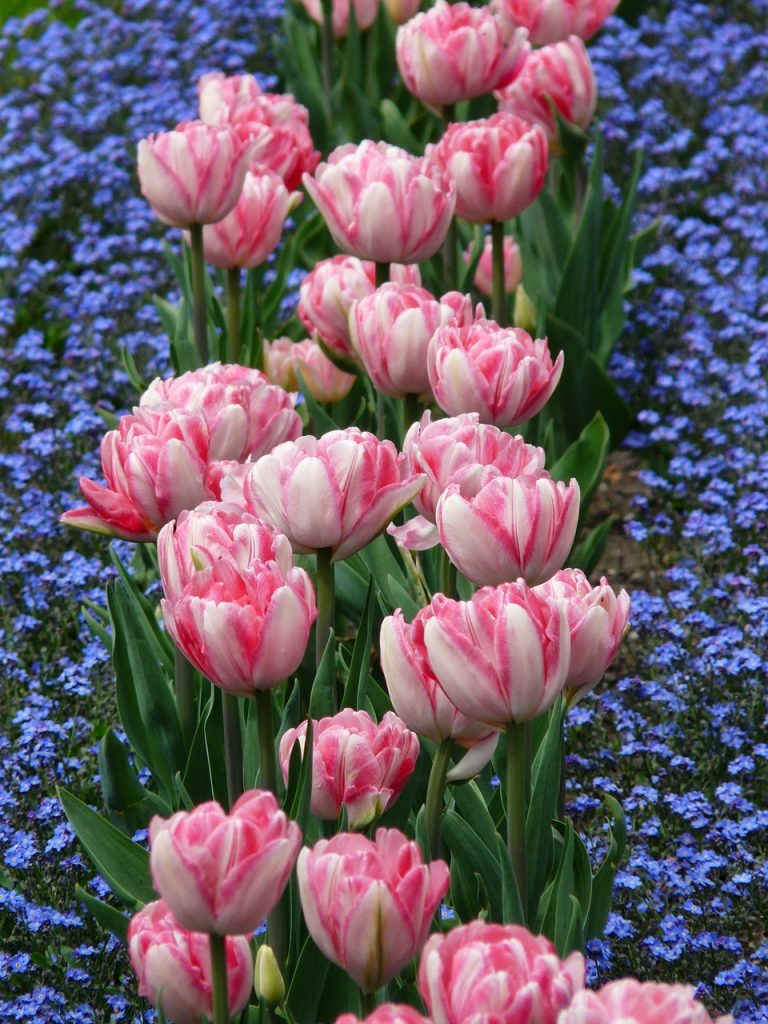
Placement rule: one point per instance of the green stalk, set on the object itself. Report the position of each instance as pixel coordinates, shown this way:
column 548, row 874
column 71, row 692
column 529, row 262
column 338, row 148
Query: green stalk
column 499, row 294
column 326, row 597
column 517, row 805
column 328, row 44
column 433, row 808
column 367, row 1004
column 447, row 576
column 382, row 274
column 184, row 681
column 199, row 312
column 233, row 746
column 411, row 410
column 450, row 263
column 219, row 979
column 277, row 920
column 233, row 313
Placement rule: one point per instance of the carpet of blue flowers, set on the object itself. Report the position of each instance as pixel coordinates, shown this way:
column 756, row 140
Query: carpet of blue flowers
column 681, row 734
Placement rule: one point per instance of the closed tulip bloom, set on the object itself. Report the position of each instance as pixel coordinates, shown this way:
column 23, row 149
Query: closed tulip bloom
column 502, row 657
column 324, row 380
column 559, row 74
column 219, row 93
column 513, row 266
column 276, row 128
column 174, row 965
column 365, row 14
column 501, row 373
column 194, row 174
column 499, row 166
column 382, row 204
column 155, row 465
column 220, row 872
column 387, row 1013
column 551, row 21
column 513, row 527
column 491, row 972
column 455, row 52
column 357, row 764
column 246, row 415
column 368, row 905
column 401, row 11
column 629, row 1001
column 338, row 491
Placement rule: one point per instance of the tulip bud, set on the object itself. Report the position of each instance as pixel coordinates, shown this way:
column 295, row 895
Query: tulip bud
column 267, row 979
column 524, row 315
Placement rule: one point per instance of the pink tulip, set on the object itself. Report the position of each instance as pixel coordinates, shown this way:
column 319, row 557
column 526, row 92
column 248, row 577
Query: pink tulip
column 513, row 266
column 219, row 93
column 401, row 11
column 390, row 331
column 493, row 972
column 246, row 415
column 338, row 491
column 636, row 1002
column 561, row 75
column 234, row 604
column 155, row 466
column 324, row 381
column 386, row 1013
column 501, row 373
column 455, row 52
column 368, row 905
column 365, row 14
column 220, row 872
column 329, row 289
column 513, row 527
column 499, row 166
column 194, row 174
column 551, row 21
column 357, row 764
column 382, row 204
column 502, row 656
column 597, row 618
column 276, row 128
column 174, row 965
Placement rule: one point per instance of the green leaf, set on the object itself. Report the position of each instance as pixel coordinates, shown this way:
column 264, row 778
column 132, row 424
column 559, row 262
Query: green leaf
column 585, row 459
column 321, row 421
column 128, row 804
column 511, row 905
column 474, row 857
column 307, row 984
column 396, row 129
column 602, row 883
column 356, row 689
column 587, row 554
column 322, row 699
column 108, row 917
column 392, row 580
column 213, row 734
column 299, row 807
column 545, row 793
column 474, row 810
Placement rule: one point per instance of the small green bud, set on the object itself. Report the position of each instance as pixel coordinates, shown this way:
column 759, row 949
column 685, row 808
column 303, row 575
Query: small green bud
column 525, row 311
column 268, row 980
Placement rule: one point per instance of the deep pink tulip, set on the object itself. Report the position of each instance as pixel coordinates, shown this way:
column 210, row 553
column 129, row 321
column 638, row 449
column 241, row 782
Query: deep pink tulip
column 194, row 174
column 501, row 373
column 365, row 14
column 455, row 52
column 401, row 11
column 174, row 965
column 154, row 465
column 386, row 1013
column 499, row 166
column 219, row 93
column 235, row 605
column 329, row 289
column 502, row 656
column 338, row 491
column 597, row 618
column 551, row 21
column 512, row 527
column 629, row 1001
column 368, row 905
column 357, row 764
column 246, row 415
column 390, row 330
column 559, row 74
column 324, row 380
column 490, row 972
column 382, row 204
column 220, row 872
column 513, row 266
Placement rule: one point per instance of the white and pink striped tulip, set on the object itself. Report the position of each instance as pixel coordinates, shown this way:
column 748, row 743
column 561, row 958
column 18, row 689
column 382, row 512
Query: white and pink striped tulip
column 382, row 204
column 365, row 14
column 639, row 1002
column 386, row 1013
column 173, row 964
column 194, row 174
column 367, row 904
column 276, row 128
column 225, row 94
column 551, row 21
column 324, row 380
column 513, row 266
column 357, row 764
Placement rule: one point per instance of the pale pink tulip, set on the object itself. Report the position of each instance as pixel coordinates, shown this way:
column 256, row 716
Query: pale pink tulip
column 220, row 872
column 357, row 764
column 490, row 972
column 338, row 491
column 501, row 373
column 155, row 466
column 551, row 21
column 324, row 380
column 598, row 620
column 219, row 93
column 276, row 128
column 499, row 166
column 401, row 11
column 386, row 1013
column 502, row 656
column 174, row 965
column 365, row 14
column 382, row 204
column 561, row 75
column 234, row 603
column 246, row 415
column 368, row 905
column 194, row 174
column 629, row 1001
column 513, row 266
column 455, row 52
column 512, row 527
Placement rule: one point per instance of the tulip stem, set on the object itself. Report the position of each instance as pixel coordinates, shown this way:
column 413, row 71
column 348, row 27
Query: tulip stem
column 433, row 808
column 199, row 311
column 367, row 1003
column 219, row 979
column 184, row 680
column 382, row 274
column 328, row 44
column 447, row 576
column 517, row 805
column 233, row 312
column 412, row 410
column 266, row 740
column 233, row 746
column 498, row 295
column 326, row 596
